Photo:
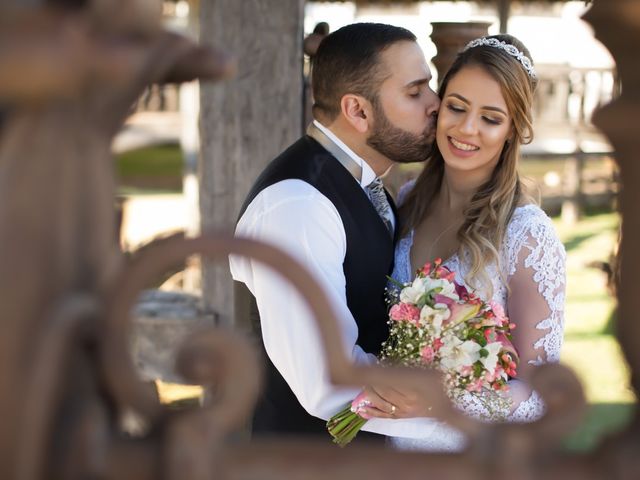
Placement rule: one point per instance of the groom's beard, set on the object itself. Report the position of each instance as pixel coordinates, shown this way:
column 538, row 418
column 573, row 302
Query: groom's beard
column 397, row 144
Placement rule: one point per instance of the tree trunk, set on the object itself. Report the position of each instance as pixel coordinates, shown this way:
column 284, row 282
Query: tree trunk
column 247, row 122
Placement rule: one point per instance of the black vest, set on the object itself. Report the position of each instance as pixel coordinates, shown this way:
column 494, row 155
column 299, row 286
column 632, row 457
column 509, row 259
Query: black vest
column 368, row 260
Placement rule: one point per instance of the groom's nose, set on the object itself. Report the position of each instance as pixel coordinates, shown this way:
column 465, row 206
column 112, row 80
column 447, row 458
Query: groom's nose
column 433, row 104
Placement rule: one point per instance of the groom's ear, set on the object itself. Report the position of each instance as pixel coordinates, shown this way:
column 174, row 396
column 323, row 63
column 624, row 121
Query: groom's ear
column 357, row 111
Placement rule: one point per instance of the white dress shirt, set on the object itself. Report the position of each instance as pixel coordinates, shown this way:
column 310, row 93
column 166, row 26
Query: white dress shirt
column 297, row 218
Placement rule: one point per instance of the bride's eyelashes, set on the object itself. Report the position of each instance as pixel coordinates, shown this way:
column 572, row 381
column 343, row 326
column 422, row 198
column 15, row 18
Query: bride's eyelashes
column 454, row 108
column 457, row 109
column 492, row 121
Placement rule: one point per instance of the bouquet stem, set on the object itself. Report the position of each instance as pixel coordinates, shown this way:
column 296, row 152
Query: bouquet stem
column 345, row 425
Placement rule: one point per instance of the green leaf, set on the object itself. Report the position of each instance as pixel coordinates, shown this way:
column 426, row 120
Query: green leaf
column 398, row 284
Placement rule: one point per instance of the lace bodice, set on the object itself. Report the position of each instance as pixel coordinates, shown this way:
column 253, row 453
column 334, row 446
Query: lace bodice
column 532, row 262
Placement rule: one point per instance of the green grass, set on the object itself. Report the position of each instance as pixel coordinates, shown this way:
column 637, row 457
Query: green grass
column 601, row 419
column 590, row 348
column 589, row 305
column 160, row 160
column 156, row 169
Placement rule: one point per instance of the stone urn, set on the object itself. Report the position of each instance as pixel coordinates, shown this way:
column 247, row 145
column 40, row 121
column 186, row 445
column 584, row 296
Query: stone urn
column 451, row 37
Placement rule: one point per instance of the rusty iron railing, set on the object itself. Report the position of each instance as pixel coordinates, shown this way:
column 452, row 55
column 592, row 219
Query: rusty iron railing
column 67, row 78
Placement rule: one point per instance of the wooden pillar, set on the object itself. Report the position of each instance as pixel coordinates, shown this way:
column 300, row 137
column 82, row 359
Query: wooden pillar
column 245, row 123
column 190, row 145
column 572, row 204
column 617, row 24
column 504, row 7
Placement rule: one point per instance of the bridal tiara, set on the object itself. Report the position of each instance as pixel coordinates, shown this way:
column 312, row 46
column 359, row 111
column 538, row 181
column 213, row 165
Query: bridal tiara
column 507, row 47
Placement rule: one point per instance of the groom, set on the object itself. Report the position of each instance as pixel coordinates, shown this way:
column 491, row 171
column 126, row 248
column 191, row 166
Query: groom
column 322, row 202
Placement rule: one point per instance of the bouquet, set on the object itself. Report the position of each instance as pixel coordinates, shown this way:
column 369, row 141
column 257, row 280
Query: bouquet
column 437, row 323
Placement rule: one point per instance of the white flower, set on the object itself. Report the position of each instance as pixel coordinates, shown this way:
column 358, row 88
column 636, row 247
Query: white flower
column 413, row 292
column 491, row 360
column 456, row 354
column 434, row 316
column 448, row 289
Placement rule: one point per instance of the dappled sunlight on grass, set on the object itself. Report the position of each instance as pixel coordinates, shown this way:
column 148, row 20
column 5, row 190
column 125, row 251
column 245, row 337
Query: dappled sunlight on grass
column 589, row 304
column 589, row 347
column 600, row 365
column 587, row 317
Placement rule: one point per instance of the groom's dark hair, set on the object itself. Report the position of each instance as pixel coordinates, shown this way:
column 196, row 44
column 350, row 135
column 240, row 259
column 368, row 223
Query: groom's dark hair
column 348, row 61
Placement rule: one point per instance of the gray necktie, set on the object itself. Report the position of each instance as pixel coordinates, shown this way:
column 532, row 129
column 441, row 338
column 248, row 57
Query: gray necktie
column 375, row 190
column 378, row 197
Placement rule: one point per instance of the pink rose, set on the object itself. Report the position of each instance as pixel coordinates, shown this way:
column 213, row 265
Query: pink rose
column 428, row 354
column 404, row 312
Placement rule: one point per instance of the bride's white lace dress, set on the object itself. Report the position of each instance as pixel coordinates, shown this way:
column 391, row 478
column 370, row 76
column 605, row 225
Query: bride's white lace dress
column 531, row 252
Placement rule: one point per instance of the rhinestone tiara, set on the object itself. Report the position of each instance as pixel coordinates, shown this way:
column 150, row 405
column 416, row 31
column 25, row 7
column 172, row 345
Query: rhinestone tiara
column 507, row 47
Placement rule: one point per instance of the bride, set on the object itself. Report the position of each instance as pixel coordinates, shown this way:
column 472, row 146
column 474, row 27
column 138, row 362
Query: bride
column 469, row 207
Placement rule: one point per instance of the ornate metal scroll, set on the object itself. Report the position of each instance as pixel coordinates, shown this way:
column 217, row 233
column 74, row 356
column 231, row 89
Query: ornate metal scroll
column 65, row 291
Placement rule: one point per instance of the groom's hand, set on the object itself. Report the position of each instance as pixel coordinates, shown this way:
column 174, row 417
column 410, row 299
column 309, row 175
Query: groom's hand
column 395, row 403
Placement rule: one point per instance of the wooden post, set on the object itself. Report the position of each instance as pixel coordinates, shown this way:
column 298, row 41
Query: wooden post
column 573, row 202
column 504, row 7
column 190, row 145
column 245, row 123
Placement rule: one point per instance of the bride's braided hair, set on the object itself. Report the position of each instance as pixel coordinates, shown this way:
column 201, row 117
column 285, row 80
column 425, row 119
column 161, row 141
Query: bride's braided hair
column 491, row 207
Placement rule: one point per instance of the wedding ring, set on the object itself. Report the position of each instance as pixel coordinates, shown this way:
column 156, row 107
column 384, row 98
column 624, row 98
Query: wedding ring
column 393, row 409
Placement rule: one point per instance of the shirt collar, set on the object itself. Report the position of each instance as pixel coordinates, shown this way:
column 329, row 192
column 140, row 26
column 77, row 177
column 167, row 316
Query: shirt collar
column 368, row 175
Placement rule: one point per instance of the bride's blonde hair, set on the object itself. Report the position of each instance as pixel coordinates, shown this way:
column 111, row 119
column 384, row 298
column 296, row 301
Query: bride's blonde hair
column 491, row 207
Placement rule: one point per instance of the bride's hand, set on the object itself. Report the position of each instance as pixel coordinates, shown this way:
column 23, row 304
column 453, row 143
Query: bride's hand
column 394, row 403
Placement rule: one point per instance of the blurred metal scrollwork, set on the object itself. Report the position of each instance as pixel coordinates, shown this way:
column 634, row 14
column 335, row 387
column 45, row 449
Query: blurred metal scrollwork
column 69, row 72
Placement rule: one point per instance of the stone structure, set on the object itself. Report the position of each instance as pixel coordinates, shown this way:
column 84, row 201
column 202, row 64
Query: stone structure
column 162, row 322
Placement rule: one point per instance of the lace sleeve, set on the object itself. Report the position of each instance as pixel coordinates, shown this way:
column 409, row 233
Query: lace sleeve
column 537, row 279
column 535, row 304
